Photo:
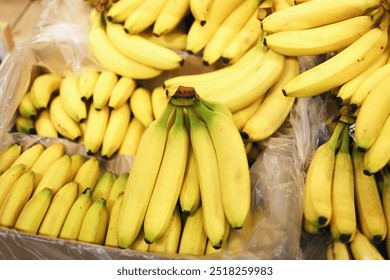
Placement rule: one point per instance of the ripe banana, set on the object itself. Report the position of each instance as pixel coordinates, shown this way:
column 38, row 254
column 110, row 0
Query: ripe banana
column 94, row 227
column 143, row 173
column 58, row 210
column 72, row 224
column 169, row 180
column 117, row 188
column 95, row 128
column 16, row 199
column 159, row 100
column 275, row 108
column 103, row 88
column 120, row 10
column 199, row 9
column 88, row 174
column 86, row 83
column 363, row 249
column 30, row 218
column 132, row 137
column 77, row 161
column 337, row 250
column 386, row 203
column 24, row 125
column 43, row 125
column 115, row 132
column 121, row 92
column 141, row 105
column 71, row 99
column 9, row 155
column 42, row 89
column 103, row 186
column 111, row 238
column 241, row 117
column 139, row 243
column 26, row 107
column 8, row 179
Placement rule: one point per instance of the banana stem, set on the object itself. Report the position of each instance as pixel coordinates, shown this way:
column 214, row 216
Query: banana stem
column 333, row 140
column 184, row 96
column 344, row 148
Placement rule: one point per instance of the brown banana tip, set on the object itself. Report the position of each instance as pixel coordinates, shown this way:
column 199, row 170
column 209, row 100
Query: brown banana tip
column 322, row 221
column 353, row 107
column 244, row 135
column 366, row 172
column 360, row 149
column 265, row 42
column 377, row 239
column 225, row 60
column 181, row 63
column 339, row 100
column 147, row 241
column 205, row 63
column 345, row 238
column 284, row 92
column 202, row 22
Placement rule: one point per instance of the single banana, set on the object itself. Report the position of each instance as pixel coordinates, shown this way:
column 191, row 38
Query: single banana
column 77, row 161
column 370, row 213
column 56, row 176
column 8, row 179
column 88, row 174
column 94, row 227
column 141, row 105
column 71, row 228
column 117, row 188
column 16, row 199
column 169, row 180
column 343, row 219
column 26, row 107
column 120, row 10
column 342, row 67
column 378, row 155
column 9, row 155
column 103, row 88
column 132, row 137
column 209, row 178
column 29, row 156
column 121, row 92
column 71, row 99
column 337, row 250
column 24, row 125
column 169, row 241
column 316, row 13
column 43, row 125
column 275, row 108
column 95, row 128
column 111, row 238
column 318, row 183
column 227, row 30
column 139, row 243
column 190, row 198
column 42, row 89
column 386, row 203
column 171, row 16
column 62, row 122
column 159, row 100
column 209, row 246
column 233, row 166
column 373, row 114
column 193, row 238
column 241, row 117
column 143, row 173
column 30, row 218
column 103, row 186
column 174, row 40
column 110, row 57
column 144, row 16
column 362, row 248
column 199, row 9
column 116, row 130
column 86, row 83
column 46, row 159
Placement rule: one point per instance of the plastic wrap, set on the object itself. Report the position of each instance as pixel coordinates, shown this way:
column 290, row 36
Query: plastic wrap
column 60, row 45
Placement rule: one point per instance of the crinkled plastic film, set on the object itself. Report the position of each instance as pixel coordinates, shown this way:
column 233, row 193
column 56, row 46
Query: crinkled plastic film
column 277, row 175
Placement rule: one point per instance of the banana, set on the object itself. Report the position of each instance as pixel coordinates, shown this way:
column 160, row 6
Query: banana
column 8, row 179
column 233, row 166
column 378, row 155
column 362, row 248
column 115, row 132
column 139, row 243
column 199, row 9
column 141, row 105
column 103, row 186
column 343, row 219
column 275, row 108
column 88, row 174
column 209, row 178
column 368, row 203
column 198, row 37
column 386, row 203
column 117, row 188
column 43, row 88
column 316, row 13
column 227, row 30
column 24, row 125
column 16, row 199
column 372, row 114
column 121, row 92
column 337, row 250
column 169, row 180
column 103, row 89
column 170, row 16
column 46, row 159
column 245, row 39
column 251, row 87
column 71, row 99
column 318, row 183
column 169, row 241
column 193, row 238
column 9, row 155
column 77, row 161
column 62, row 122
column 320, row 40
column 43, row 125
column 342, row 67
column 159, row 100
column 86, row 83
column 144, row 16
column 120, row 10
column 32, row 214
column 26, row 107
column 71, row 228
column 190, row 198
column 111, row 238
column 209, row 246
column 56, row 176
column 95, row 128
column 95, row 223
column 110, row 57
column 175, row 40
column 29, row 156
column 132, row 137
column 143, row 173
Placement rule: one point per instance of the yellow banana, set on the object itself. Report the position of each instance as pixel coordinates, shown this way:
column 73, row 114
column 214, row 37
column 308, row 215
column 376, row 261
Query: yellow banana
column 159, row 100
column 103, row 88
column 26, row 107
column 103, row 186
column 117, row 188
column 111, row 238
column 86, row 83
column 42, row 89
column 120, row 10
column 171, row 16
column 241, row 117
column 8, row 179
column 43, row 125
column 121, row 92
column 139, row 243
column 199, row 9
column 386, row 203
column 88, row 174
column 337, row 250
column 141, row 105
column 24, row 125
column 95, row 128
column 71, row 99
column 363, row 249
column 77, row 161
column 174, row 40
column 29, row 156
column 132, row 137
column 9, row 155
